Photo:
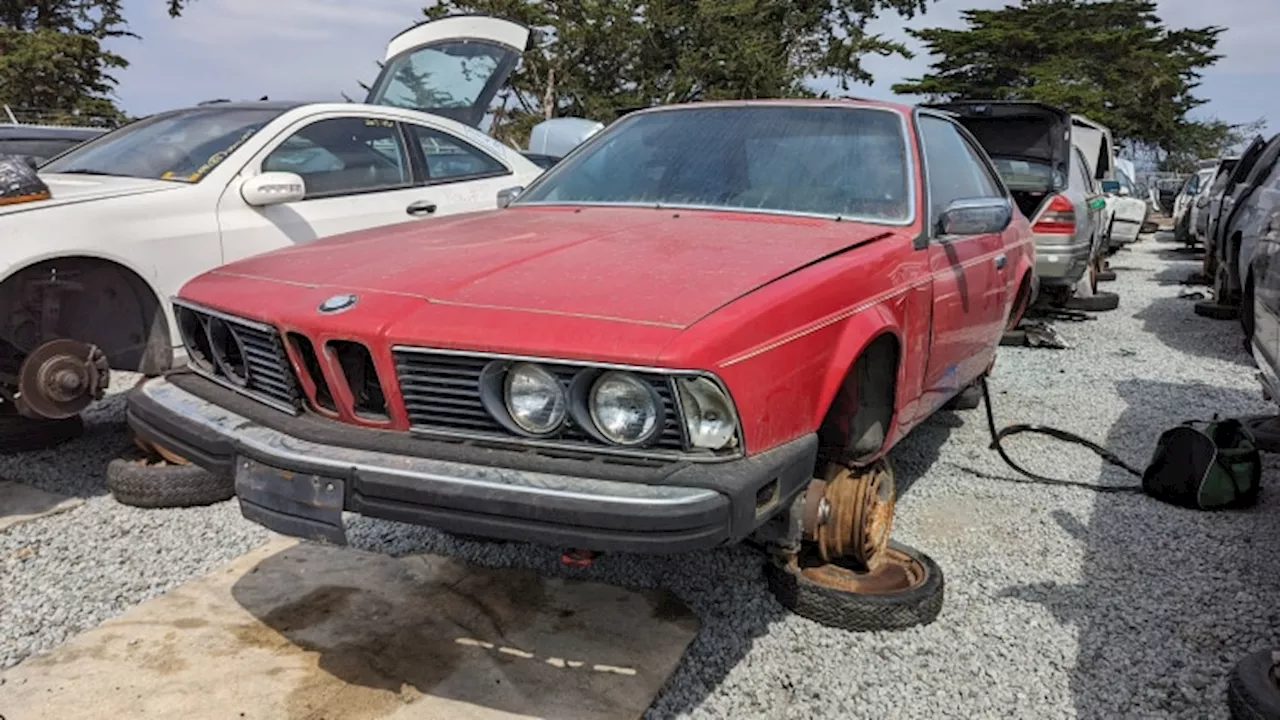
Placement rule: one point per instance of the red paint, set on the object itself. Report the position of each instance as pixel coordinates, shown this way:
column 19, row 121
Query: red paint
column 778, row 307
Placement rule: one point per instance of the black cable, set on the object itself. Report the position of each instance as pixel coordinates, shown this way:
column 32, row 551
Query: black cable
column 1105, row 454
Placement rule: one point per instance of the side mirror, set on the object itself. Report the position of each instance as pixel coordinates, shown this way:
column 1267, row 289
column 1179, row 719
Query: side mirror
column 273, row 188
column 506, row 196
column 980, row 216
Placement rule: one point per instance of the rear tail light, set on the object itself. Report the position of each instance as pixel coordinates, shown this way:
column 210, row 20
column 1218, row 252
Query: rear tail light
column 1057, row 218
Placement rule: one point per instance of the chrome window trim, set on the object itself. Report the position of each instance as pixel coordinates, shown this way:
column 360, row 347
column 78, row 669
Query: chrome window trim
column 905, row 135
column 251, row 324
column 592, row 449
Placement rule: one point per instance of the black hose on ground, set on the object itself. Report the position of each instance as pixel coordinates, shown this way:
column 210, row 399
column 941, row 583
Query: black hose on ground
column 1105, row 454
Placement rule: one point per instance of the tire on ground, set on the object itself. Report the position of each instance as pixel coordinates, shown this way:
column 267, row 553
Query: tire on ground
column 861, row 612
column 1252, row 692
column 137, row 481
column 1216, row 311
column 1101, row 302
column 20, row 434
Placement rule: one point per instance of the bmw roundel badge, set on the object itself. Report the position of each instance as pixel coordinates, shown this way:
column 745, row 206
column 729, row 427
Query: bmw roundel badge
column 337, row 304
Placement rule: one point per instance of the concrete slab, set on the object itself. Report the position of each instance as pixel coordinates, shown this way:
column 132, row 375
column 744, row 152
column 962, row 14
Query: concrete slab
column 309, row 632
column 22, row 503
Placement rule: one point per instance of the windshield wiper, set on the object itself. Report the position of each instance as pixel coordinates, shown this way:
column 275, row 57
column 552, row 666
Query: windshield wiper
column 80, row 171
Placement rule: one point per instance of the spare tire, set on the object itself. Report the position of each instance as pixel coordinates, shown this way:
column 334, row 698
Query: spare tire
column 20, row 434
column 1100, row 302
column 1253, row 692
column 140, row 482
column 838, row 607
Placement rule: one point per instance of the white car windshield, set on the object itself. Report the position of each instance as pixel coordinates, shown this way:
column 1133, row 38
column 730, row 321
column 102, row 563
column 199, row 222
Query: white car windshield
column 847, row 162
column 181, row 146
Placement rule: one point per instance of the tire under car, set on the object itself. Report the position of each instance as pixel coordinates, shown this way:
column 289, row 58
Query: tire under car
column 139, row 481
column 863, row 610
column 1253, row 692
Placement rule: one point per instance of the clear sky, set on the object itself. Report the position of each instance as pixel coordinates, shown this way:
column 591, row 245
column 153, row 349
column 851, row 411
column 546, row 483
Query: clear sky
column 317, row 49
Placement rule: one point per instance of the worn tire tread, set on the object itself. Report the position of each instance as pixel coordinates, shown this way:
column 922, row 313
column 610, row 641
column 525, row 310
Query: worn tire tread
column 166, row 486
column 1250, row 695
column 920, row 605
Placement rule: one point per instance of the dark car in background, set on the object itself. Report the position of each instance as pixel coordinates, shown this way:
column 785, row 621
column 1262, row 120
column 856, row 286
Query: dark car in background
column 1241, row 220
column 38, row 143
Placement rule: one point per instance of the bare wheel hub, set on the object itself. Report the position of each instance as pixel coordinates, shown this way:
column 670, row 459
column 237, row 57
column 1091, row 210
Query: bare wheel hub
column 849, row 513
column 61, row 378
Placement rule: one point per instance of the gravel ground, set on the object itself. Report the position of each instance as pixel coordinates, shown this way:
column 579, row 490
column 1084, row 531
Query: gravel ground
column 1061, row 602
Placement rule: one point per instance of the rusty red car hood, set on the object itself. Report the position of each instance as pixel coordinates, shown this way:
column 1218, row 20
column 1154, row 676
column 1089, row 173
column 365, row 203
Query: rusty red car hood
column 638, row 265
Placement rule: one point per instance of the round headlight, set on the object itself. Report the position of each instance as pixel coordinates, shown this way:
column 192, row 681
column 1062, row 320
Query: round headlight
column 708, row 414
column 624, row 409
column 535, row 399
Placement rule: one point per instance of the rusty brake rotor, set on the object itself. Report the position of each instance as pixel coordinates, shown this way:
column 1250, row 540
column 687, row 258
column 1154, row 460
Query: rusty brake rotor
column 849, row 513
column 60, row 378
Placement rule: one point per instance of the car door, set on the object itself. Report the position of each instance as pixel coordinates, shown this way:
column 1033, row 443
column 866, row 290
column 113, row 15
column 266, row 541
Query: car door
column 458, row 176
column 1265, row 268
column 970, row 273
column 452, row 67
column 358, row 174
column 1250, row 157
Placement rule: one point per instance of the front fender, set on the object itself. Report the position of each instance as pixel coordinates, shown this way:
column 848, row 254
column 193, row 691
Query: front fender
column 859, row 331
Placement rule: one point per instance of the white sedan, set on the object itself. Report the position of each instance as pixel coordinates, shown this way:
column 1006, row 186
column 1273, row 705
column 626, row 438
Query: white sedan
column 85, row 276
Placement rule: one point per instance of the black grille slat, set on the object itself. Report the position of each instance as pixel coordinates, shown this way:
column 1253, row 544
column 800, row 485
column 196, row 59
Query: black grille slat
column 266, row 367
column 442, row 392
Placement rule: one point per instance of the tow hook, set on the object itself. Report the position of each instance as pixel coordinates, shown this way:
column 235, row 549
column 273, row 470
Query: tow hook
column 60, row 378
column 578, row 558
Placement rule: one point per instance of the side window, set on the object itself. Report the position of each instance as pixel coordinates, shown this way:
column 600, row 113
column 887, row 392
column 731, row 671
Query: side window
column 1079, row 177
column 344, row 156
column 451, row 159
column 955, row 170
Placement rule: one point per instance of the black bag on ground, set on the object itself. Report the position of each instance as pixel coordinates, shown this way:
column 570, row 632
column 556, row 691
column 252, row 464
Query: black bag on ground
column 1205, row 466
column 19, row 182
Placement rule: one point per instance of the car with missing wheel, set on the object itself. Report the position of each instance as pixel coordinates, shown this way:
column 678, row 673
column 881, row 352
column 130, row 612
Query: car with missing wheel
column 86, row 275
column 710, row 321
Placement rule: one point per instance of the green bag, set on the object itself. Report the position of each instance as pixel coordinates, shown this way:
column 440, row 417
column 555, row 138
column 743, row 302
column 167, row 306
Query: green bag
column 1205, row 466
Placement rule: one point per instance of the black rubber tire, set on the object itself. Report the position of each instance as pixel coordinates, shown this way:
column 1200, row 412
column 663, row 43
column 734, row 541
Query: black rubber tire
column 1214, row 311
column 1252, row 691
column 140, row 483
column 19, row 434
column 919, row 605
column 1107, row 276
column 969, row 398
column 1101, row 302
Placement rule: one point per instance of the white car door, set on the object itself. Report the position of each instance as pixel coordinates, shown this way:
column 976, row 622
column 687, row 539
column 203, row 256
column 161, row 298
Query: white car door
column 358, row 174
column 460, row 176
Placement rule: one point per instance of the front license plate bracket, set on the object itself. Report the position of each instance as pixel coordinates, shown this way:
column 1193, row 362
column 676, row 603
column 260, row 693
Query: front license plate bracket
column 292, row 503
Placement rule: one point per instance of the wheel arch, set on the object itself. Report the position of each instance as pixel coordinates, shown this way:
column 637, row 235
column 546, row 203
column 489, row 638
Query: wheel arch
column 858, row 406
column 137, row 336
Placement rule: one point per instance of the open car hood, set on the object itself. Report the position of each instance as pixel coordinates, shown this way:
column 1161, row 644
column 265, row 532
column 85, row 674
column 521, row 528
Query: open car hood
column 452, row 67
column 1017, row 130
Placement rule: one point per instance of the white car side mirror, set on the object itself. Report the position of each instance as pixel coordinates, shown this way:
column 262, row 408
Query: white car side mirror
column 273, row 188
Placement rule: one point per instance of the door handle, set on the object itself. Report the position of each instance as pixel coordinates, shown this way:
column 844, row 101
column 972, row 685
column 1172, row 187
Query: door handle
column 420, row 208
column 1000, row 261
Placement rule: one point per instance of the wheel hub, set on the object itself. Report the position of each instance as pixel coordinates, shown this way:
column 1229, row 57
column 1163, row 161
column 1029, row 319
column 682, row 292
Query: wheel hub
column 893, row 571
column 849, row 513
column 61, row 378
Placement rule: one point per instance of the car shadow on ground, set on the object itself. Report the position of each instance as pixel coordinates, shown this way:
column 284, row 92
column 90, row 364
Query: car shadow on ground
column 1178, row 275
column 77, row 468
column 1174, row 322
column 918, row 451
column 1168, row 599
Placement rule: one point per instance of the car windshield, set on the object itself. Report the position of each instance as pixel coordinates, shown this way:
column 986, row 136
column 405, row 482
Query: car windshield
column 814, row 160
column 182, row 146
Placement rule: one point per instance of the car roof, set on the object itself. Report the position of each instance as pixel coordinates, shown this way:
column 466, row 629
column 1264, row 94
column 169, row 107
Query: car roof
column 793, row 102
column 49, row 132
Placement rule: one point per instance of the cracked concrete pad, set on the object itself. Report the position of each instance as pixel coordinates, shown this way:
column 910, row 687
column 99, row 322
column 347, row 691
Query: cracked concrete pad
column 22, row 503
column 302, row 631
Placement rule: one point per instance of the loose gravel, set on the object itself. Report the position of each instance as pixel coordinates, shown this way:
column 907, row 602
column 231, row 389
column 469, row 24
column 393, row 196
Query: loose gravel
column 1061, row 602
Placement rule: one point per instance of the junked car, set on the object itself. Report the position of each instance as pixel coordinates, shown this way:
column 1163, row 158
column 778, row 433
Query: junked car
column 1125, row 216
column 709, row 321
column 1204, row 204
column 1253, row 210
column 1220, row 208
column 1032, row 147
column 85, row 276
column 1182, row 222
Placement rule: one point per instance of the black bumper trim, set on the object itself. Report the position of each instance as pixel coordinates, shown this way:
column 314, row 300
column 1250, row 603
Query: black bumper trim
column 681, row 507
